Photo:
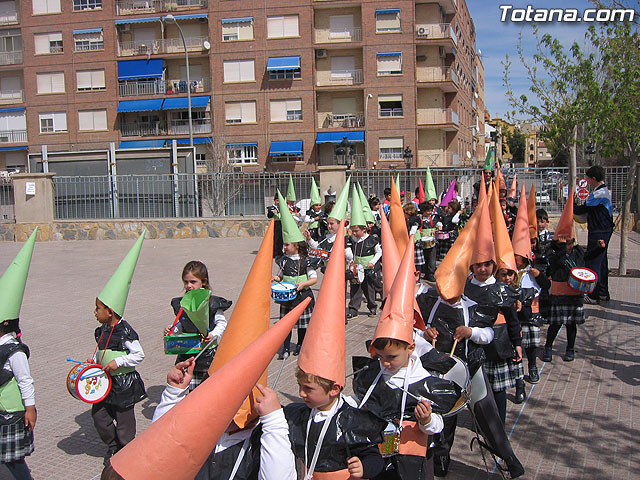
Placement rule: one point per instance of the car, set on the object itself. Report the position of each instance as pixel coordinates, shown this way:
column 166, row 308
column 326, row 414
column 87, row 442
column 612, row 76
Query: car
column 543, row 198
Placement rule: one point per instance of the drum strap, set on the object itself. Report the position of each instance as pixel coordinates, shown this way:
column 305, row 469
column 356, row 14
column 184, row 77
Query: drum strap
column 465, row 315
column 106, row 345
column 404, row 391
column 316, row 453
column 236, row 466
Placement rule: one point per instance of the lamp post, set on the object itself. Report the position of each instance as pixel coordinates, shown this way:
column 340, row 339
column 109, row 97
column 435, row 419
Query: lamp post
column 345, row 148
column 408, row 157
column 366, row 129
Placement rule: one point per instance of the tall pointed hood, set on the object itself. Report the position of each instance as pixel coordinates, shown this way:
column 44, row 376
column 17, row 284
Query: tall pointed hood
column 323, row 348
column 14, row 280
column 482, row 192
column 115, row 292
column 339, row 210
column 531, row 210
column 502, row 242
column 484, row 249
column 315, row 193
column 176, row 446
column 249, row 320
column 291, row 191
column 397, row 184
column 513, row 191
column 421, row 194
column 564, row 229
column 397, row 317
column 398, row 222
column 488, row 162
column 450, row 195
column 502, row 184
column 431, row 188
column 196, row 305
column 366, row 209
column 390, row 256
column 521, row 240
column 290, row 231
column 357, row 214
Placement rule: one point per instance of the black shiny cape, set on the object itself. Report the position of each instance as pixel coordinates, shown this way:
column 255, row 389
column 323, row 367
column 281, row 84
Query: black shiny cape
column 220, row 465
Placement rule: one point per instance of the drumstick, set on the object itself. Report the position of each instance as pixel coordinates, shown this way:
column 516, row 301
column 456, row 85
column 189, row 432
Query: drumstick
column 407, row 392
column 74, row 361
column 455, row 344
column 358, row 371
column 433, row 342
column 275, row 382
column 208, row 345
column 175, row 321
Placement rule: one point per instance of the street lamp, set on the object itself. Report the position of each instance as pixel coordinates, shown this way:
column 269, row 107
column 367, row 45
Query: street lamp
column 345, row 148
column 408, row 157
column 366, row 129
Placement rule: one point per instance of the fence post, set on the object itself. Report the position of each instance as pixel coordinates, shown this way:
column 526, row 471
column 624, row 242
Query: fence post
column 333, row 176
column 33, row 197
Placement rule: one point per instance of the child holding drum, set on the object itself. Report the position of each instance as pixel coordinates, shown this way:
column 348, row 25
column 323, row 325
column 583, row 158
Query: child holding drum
column 194, row 276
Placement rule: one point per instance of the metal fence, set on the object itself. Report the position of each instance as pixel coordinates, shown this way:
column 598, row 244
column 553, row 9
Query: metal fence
column 7, row 209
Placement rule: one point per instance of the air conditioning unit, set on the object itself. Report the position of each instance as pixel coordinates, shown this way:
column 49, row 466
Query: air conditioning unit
column 423, row 32
column 443, row 53
column 125, row 27
column 203, row 20
column 421, row 58
column 321, row 53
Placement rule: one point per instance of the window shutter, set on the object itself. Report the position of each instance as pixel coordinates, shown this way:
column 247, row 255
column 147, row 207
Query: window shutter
column 340, row 26
column 389, row 98
column 248, row 112
column 245, row 30
column 390, row 63
column 290, row 26
column 231, row 71
column 60, row 121
column 229, row 29
column 85, row 121
column 247, row 71
column 294, row 104
column 233, row 110
column 43, row 82
column 275, row 27
column 343, row 106
column 100, row 120
column 97, row 78
column 392, row 142
column 41, row 43
column 57, row 82
column 278, row 110
column 55, row 37
column 387, row 21
column 39, row 6
column 53, row 6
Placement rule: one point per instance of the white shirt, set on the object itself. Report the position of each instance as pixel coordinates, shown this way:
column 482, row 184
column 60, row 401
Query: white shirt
column 378, row 249
column 479, row 335
column 19, row 366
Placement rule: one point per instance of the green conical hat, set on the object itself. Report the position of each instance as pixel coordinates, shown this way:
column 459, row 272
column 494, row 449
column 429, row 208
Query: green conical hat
column 290, row 231
column 398, row 183
column 340, row 208
column 196, row 305
column 315, row 193
column 14, row 279
column 291, row 191
column 115, row 292
column 488, row 162
column 357, row 215
column 431, row 188
column 366, row 209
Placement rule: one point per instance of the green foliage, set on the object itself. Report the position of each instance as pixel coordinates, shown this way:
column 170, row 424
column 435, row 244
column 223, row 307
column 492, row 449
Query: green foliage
column 517, row 145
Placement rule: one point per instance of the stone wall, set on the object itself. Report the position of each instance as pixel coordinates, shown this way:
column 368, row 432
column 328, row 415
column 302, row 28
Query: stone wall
column 123, row 229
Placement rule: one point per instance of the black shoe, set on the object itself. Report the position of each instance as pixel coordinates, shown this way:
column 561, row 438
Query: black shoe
column 372, row 312
column 430, row 278
column 441, row 465
column 283, row 355
column 534, row 377
column 604, row 298
column 296, row 351
column 350, row 315
column 515, row 467
column 591, row 301
column 569, row 356
column 547, row 355
column 520, row 393
column 107, row 456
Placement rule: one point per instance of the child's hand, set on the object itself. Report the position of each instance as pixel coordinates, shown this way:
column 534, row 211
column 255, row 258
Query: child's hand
column 110, row 367
column 275, row 278
column 306, row 234
column 167, row 330
column 431, row 333
column 268, row 402
column 356, row 470
column 601, row 244
column 518, row 357
column 535, row 272
column 298, row 287
column 30, row 416
column 181, row 374
column 461, row 333
column 423, row 412
column 369, row 265
column 518, row 305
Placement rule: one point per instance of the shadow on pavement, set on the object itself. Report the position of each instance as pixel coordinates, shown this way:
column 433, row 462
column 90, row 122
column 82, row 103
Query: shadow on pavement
column 150, row 403
column 85, row 440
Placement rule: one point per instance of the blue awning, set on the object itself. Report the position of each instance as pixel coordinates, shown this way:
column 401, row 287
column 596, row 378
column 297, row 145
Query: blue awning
column 336, row 137
column 237, row 20
column 292, row 147
column 142, row 144
column 132, row 69
column 137, row 20
column 388, row 10
column 140, row 105
column 283, row 63
column 389, row 54
column 13, row 149
column 88, row 30
column 189, row 17
column 16, row 109
column 181, row 103
column 196, row 141
column 242, row 145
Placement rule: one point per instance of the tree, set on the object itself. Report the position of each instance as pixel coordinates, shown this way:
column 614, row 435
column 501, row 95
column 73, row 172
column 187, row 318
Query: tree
column 216, row 187
column 517, row 145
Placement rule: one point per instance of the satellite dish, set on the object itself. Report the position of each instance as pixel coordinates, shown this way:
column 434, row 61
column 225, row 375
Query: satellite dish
column 479, row 52
column 206, row 45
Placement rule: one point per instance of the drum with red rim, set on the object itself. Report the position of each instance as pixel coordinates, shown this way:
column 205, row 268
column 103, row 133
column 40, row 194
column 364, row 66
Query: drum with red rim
column 583, row 280
column 88, row 382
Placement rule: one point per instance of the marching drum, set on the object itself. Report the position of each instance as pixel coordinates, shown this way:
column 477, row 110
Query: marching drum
column 283, row 291
column 442, row 235
column 459, row 374
column 583, row 280
column 357, row 272
column 88, row 382
column 318, row 252
column 428, row 242
column 183, row 343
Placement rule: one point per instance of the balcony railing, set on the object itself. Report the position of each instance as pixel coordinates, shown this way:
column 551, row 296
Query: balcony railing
column 174, row 45
column 11, row 96
column 13, row 136
column 131, row 7
column 428, row 31
column 181, row 127
column 198, row 85
column 390, row 112
column 167, row 45
column 437, row 74
column 142, row 87
column 141, row 129
column 343, row 120
column 11, row 58
column 437, row 116
column 353, row 34
column 345, row 77
column 9, row 19
column 357, row 159
column 437, row 158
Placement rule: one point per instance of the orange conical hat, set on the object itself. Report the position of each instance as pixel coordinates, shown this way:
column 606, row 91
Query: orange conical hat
column 494, row 203
column 513, row 191
column 390, row 256
column 501, row 239
column 564, row 229
column 398, row 223
column 249, row 320
column 482, row 192
column 323, row 347
column 176, row 446
column 484, row 250
column 451, row 275
column 502, row 185
column 531, row 210
column 397, row 317
column 521, row 240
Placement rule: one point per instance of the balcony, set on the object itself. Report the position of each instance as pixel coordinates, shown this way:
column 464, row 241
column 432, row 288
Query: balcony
column 438, row 75
column 437, row 158
column 358, row 160
column 10, row 18
column 323, row 35
column 390, row 112
column 11, row 96
column 181, row 127
column 174, row 45
column 198, row 85
column 438, row 116
column 141, row 129
column 329, row 78
column 132, row 7
column 167, row 45
column 436, row 31
column 13, row 136
column 11, row 58
column 342, row 120
column 134, row 88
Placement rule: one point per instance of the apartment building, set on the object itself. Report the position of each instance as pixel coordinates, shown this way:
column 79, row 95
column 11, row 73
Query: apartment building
column 275, row 85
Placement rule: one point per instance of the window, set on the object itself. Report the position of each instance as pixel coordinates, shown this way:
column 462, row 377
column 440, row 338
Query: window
column 242, row 154
column 286, row 110
column 53, row 122
column 46, row 43
column 390, row 106
column 388, row 20
column 390, row 63
column 239, row 71
column 86, row 40
column 237, row 29
column 86, row 5
column 282, row 26
column 90, row 80
column 92, row 120
column 285, row 74
column 341, row 26
column 240, row 112
column 391, row 148
column 41, row 7
column 50, row 82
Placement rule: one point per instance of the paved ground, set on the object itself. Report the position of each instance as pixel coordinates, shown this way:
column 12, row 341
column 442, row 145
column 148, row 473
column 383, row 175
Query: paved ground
column 580, row 421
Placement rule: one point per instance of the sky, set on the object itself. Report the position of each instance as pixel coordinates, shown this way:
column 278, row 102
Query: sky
column 497, row 39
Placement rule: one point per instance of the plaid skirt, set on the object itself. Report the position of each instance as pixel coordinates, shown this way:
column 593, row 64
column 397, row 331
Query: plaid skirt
column 16, row 442
column 566, row 314
column 443, row 247
column 419, row 255
column 502, row 374
column 286, row 307
column 530, row 336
